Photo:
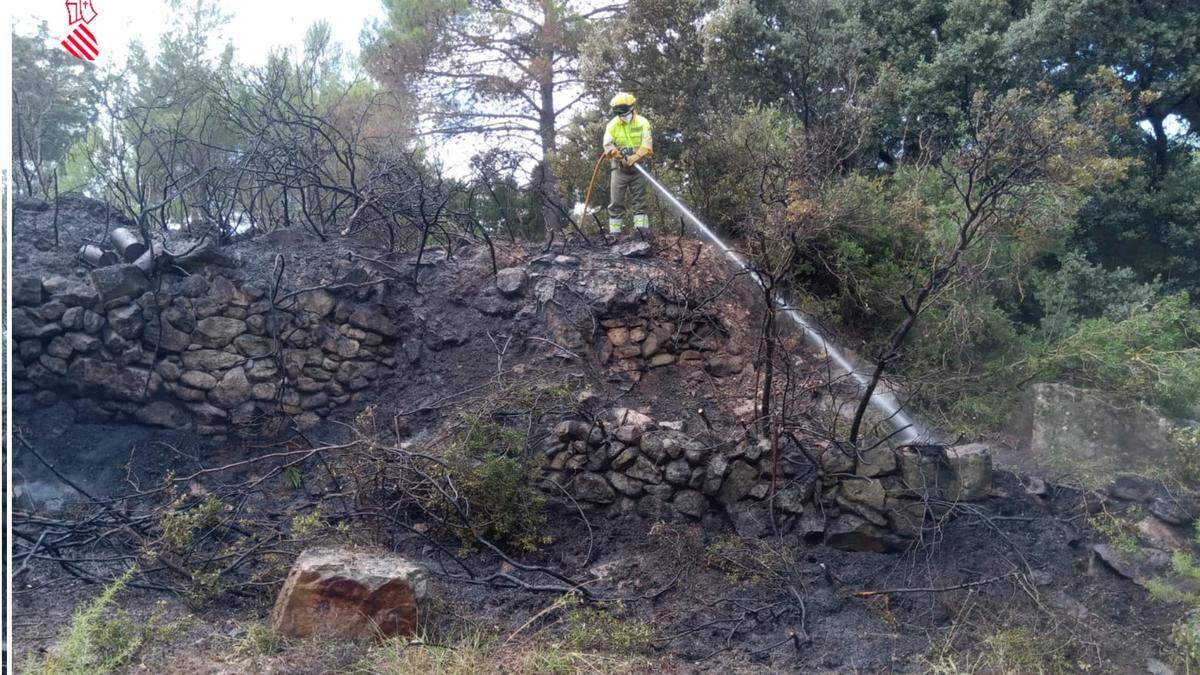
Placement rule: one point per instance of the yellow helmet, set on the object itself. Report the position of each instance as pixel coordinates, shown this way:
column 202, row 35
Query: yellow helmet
column 622, row 103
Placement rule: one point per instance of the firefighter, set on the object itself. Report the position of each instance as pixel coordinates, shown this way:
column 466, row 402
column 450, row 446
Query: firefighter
column 627, row 141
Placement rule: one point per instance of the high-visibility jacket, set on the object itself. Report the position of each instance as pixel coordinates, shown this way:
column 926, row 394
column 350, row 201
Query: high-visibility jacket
column 633, row 134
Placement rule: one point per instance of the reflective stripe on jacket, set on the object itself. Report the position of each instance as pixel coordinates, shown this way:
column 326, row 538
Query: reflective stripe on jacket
column 632, row 134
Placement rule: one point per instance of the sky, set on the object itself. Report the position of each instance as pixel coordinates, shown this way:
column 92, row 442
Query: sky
column 254, row 27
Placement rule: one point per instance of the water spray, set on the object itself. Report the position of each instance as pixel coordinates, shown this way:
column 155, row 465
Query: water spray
column 906, row 428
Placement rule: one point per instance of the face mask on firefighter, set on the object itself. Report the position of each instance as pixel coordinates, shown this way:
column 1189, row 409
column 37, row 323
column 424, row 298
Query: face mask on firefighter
column 628, row 117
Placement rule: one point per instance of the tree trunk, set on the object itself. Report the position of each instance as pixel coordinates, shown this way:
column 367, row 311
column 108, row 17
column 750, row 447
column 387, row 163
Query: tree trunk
column 547, row 119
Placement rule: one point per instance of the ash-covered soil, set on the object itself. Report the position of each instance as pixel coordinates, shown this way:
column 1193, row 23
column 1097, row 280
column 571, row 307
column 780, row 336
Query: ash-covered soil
column 715, row 603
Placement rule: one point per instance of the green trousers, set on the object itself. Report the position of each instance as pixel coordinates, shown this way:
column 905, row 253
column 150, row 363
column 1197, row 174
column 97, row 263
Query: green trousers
column 627, row 190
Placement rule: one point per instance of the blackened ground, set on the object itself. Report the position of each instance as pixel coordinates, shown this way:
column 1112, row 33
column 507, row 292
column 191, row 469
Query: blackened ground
column 715, row 604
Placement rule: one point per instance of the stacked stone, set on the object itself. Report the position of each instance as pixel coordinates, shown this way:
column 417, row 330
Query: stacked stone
column 635, row 345
column 877, row 501
column 198, row 352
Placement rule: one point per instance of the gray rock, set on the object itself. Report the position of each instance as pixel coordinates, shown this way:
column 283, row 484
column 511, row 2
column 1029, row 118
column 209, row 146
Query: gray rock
column 749, row 518
column 198, row 380
column 877, row 461
column 739, row 482
column 658, row 445
column 511, row 281
column 116, row 381
column 629, row 434
column 591, row 487
column 1091, row 431
column 661, row 491
column 852, row 533
column 656, row 509
column 868, row 492
column 29, row 350
column 572, row 430
column 53, row 364
column 1140, row 567
column 691, row 503
column 207, row 412
column 25, row 324
column 232, row 390
column 60, row 348
column 724, row 366
column 714, row 474
column 317, row 400
column 192, row 286
column 624, row 484
column 625, row 457
column 319, row 302
column 169, row 370
column 678, row 472
column 209, row 360
column 52, row 311
column 225, row 292
column 634, row 249
column 350, row 371
column 920, row 473
column 72, row 318
column 253, row 345
column 92, row 322
column 696, row 453
column 116, row 282
column 163, row 414
column 161, row 335
column 27, row 291
column 264, row 391
column 126, row 320
column 372, row 318
column 1177, row 511
column 868, row 513
column 969, row 472
column 644, row 470
column 791, row 498
column 1131, row 487
column 217, row 331
column 835, row 460
column 75, row 294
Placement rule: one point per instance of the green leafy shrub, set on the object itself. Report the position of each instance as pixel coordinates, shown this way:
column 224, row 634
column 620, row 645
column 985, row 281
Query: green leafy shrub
column 500, row 497
column 1152, row 355
column 605, row 627
column 100, row 640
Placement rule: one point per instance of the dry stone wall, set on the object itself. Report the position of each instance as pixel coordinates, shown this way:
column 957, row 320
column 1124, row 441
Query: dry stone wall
column 204, row 352
column 879, row 500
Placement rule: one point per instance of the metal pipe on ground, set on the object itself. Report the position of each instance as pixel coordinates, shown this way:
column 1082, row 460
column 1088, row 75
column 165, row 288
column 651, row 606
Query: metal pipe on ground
column 127, row 244
column 97, row 257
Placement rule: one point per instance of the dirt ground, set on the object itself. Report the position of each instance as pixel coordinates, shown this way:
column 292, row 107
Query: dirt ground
column 1015, row 564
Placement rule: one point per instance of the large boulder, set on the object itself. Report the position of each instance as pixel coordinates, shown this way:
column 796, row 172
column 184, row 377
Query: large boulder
column 349, row 594
column 117, row 282
column 1089, row 431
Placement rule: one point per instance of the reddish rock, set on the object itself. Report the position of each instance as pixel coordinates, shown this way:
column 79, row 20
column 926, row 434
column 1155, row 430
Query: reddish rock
column 349, row 594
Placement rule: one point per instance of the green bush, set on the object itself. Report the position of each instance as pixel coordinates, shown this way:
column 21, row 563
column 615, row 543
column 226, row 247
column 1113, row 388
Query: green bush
column 99, row 640
column 1152, row 355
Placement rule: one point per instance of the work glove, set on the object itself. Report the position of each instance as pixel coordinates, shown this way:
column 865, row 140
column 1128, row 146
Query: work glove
column 611, row 153
column 634, row 158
